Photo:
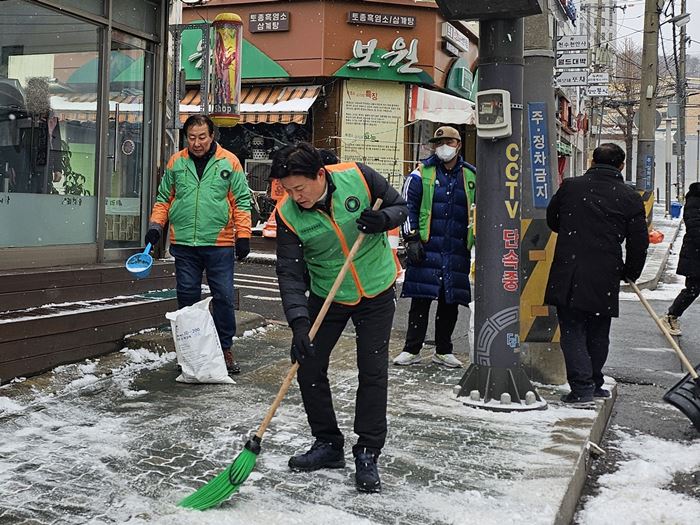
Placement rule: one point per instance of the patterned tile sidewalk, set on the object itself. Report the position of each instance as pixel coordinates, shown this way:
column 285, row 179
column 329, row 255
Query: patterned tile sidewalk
column 119, row 441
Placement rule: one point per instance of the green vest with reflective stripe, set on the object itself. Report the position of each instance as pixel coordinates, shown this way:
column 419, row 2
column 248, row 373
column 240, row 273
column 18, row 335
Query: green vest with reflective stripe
column 327, row 239
column 428, row 174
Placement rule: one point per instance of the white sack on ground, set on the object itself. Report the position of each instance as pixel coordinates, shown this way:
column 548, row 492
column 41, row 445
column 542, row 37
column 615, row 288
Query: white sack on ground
column 197, row 345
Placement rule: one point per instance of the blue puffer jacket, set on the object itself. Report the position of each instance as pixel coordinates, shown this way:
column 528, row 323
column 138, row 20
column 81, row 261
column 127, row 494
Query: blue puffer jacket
column 447, row 260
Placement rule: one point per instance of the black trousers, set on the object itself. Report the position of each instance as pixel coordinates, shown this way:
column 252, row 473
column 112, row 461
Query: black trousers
column 445, row 321
column 686, row 296
column 372, row 318
column 585, row 339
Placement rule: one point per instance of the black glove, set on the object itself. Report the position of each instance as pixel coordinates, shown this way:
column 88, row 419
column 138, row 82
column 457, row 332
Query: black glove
column 301, row 344
column 152, row 236
column 371, row 221
column 242, row 248
column 415, row 252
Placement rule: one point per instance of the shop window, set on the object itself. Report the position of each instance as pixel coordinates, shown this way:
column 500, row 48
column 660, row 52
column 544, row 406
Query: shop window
column 97, row 7
column 49, row 67
column 142, row 15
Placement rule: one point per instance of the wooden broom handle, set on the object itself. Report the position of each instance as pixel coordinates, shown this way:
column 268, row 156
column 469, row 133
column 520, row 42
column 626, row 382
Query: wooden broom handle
column 693, row 373
column 314, row 328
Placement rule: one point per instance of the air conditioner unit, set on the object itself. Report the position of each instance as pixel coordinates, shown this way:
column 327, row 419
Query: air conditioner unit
column 258, row 173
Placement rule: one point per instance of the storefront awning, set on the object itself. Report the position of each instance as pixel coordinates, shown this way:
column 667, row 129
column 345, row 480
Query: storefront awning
column 83, row 107
column 264, row 105
column 259, row 105
column 440, row 107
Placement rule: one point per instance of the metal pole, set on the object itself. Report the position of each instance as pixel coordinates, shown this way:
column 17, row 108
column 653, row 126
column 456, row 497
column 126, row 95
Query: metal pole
column 680, row 96
column 647, row 105
column 496, row 372
column 697, row 154
column 669, row 156
column 597, row 65
column 538, row 323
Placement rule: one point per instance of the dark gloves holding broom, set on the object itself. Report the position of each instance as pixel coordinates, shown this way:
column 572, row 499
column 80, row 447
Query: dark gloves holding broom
column 301, row 344
column 372, row 221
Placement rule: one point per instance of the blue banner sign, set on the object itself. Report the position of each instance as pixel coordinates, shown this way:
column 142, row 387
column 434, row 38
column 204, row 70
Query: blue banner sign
column 648, row 171
column 539, row 154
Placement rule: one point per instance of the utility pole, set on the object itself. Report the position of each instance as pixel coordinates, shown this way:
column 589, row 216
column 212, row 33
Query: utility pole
column 496, row 379
column 697, row 154
column 680, row 97
column 647, row 105
column 539, row 337
column 597, row 66
column 669, row 155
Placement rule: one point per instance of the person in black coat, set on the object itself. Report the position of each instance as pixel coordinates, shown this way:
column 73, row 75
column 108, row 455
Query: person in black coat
column 593, row 215
column 689, row 261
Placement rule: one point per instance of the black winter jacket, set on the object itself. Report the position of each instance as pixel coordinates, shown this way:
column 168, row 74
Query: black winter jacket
column 689, row 261
column 292, row 273
column 593, row 215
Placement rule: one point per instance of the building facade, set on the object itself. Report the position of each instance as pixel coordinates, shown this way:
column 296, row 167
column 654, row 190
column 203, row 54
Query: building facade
column 370, row 81
column 80, row 126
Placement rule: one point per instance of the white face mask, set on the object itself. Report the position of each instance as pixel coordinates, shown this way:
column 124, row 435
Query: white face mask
column 446, row 153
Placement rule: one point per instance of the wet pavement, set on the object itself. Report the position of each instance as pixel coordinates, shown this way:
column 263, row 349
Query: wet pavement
column 119, row 441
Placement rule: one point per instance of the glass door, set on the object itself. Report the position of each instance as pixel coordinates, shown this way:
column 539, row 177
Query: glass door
column 49, row 65
column 129, row 140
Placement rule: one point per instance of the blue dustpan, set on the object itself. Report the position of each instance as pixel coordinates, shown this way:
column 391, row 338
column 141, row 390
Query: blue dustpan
column 140, row 264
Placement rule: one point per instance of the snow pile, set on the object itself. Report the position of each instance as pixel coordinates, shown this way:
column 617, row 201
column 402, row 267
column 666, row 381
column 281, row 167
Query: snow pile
column 636, row 492
column 8, row 406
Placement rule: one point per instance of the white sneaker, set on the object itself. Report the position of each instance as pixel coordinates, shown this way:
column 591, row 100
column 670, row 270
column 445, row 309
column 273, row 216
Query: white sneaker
column 672, row 324
column 447, row 360
column 406, row 358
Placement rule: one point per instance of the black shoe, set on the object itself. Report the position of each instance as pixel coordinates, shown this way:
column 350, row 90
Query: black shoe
column 573, row 399
column 366, row 474
column 320, row 455
column 601, row 392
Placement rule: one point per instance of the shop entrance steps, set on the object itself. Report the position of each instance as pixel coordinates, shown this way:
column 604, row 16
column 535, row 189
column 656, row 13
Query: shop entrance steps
column 53, row 316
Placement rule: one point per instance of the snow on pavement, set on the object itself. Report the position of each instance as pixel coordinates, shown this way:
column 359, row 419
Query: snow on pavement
column 638, row 493
column 125, row 447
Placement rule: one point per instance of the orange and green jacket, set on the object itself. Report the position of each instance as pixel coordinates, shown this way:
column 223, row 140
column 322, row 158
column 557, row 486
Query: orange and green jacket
column 213, row 211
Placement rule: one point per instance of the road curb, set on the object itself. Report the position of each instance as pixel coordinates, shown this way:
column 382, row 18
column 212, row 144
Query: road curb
column 160, row 339
column 569, row 503
column 260, row 258
column 651, row 284
column 662, row 267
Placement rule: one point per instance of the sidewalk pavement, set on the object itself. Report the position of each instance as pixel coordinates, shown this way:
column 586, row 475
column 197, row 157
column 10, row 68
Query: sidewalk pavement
column 117, row 440
column 657, row 255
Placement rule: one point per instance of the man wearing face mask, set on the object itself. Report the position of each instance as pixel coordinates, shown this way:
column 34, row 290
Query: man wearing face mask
column 438, row 238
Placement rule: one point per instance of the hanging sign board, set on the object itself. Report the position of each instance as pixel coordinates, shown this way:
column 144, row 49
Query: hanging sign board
column 597, row 91
column 598, row 78
column 454, row 36
column 571, row 60
column 572, row 43
column 571, row 78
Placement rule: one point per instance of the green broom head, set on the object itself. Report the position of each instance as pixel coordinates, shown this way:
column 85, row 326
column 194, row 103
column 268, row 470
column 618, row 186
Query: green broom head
column 245, row 462
column 227, row 482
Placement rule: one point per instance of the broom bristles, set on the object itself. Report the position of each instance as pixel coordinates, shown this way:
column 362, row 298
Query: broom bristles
column 224, row 484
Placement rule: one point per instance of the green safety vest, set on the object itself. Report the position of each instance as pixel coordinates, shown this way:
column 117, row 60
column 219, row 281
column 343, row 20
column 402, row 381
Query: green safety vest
column 327, row 239
column 428, row 174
